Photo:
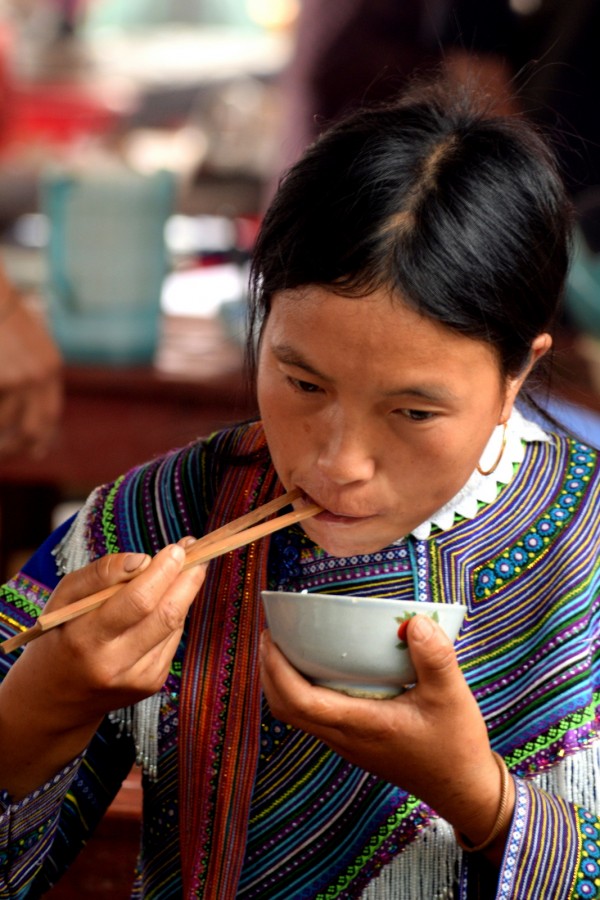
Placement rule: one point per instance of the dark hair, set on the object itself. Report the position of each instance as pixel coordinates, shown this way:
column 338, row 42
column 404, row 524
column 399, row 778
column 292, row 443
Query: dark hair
column 460, row 211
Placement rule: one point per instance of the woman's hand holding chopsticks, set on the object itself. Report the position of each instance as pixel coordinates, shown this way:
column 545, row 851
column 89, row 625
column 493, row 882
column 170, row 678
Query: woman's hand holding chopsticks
column 231, row 536
column 121, row 620
column 59, row 690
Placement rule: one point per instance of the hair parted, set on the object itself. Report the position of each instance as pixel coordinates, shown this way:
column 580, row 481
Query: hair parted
column 460, row 212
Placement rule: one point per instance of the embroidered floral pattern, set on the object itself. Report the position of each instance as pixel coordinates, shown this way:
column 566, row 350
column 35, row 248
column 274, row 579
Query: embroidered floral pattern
column 536, row 541
column 588, row 876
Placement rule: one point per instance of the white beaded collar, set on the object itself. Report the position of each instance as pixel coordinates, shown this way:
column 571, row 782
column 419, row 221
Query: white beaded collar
column 485, row 488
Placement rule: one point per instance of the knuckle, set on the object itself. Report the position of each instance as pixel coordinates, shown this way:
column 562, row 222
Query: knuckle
column 140, row 598
column 444, row 659
column 172, row 617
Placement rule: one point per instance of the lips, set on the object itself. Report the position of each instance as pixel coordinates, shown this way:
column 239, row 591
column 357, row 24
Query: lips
column 331, row 515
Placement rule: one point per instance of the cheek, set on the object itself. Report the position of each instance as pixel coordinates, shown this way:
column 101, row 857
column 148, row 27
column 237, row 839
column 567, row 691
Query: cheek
column 269, row 400
column 275, row 413
column 443, row 463
column 284, row 430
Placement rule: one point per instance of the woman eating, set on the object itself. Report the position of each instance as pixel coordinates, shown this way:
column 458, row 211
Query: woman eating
column 405, row 283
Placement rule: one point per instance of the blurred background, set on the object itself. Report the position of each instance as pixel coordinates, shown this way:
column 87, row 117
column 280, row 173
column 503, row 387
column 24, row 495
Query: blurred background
column 140, row 142
column 136, row 142
column 174, row 102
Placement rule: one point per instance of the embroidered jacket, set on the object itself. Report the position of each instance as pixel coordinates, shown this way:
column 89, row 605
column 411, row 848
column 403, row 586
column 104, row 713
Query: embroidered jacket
column 244, row 806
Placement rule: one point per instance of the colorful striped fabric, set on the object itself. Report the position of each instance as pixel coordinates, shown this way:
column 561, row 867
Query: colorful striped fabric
column 314, row 826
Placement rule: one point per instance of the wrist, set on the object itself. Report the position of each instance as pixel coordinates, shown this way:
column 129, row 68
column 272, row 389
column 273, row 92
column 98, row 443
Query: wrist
column 478, row 838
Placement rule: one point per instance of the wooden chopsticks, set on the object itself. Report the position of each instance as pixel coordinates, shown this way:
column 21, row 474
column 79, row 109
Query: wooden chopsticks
column 229, row 537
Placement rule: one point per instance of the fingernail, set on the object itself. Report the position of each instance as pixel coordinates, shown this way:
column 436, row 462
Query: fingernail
column 134, row 561
column 187, row 541
column 421, row 628
column 177, row 552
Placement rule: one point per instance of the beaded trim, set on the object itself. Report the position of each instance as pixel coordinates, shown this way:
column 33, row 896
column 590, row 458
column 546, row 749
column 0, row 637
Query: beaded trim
column 485, row 488
column 141, row 722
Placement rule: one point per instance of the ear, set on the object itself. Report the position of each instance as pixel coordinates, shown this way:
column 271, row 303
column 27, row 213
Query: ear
column 540, row 346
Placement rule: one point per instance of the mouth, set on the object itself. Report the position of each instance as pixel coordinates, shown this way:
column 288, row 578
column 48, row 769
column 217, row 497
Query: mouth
column 331, row 516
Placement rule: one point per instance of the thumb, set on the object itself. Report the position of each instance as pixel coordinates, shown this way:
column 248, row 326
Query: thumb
column 431, row 652
column 104, row 572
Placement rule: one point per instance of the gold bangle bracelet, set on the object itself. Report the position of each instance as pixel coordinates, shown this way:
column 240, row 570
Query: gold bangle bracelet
column 500, row 817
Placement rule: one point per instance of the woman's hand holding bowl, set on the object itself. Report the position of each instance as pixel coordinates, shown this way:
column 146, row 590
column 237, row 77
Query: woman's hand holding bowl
column 431, row 740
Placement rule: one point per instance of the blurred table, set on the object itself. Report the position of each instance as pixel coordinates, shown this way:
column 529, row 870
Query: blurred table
column 114, row 418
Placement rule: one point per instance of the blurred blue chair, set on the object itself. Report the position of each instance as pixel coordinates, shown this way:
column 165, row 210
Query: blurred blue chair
column 107, row 260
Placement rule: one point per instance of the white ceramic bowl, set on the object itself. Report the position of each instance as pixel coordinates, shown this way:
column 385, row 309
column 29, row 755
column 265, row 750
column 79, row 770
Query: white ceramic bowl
column 351, row 644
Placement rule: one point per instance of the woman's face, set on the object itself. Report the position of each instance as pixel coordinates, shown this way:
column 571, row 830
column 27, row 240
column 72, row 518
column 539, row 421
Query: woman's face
column 376, row 413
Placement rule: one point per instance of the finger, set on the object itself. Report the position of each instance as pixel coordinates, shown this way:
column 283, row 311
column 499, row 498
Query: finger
column 283, row 685
column 295, row 700
column 151, row 642
column 167, row 620
column 102, row 573
column 157, row 600
column 432, row 654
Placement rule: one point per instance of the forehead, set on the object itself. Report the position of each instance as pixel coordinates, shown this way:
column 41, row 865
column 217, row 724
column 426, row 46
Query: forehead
column 381, row 317
column 377, row 335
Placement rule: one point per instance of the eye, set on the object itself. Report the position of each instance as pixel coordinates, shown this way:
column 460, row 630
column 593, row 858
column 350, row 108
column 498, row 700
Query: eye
column 306, row 387
column 416, row 415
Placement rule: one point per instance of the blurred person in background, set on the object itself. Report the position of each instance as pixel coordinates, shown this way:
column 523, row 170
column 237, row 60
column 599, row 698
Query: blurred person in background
column 532, row 56
column 551, row 48
column 30, row 374
column 363, row 51
column 30, row 378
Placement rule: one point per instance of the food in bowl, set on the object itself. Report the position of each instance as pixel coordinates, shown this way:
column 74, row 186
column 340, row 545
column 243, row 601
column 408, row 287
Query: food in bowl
column 352, row 644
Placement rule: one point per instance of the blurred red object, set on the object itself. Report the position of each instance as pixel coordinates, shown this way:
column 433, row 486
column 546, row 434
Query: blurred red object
column 6, row 87
column 45, row 112
column 57, row 114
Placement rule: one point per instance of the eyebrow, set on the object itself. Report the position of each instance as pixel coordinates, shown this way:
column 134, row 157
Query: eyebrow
column 437, row 393
column 286, row 354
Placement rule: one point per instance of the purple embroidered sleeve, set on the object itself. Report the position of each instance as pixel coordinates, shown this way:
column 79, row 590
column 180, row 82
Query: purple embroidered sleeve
column 553, row 849
column 27, row 830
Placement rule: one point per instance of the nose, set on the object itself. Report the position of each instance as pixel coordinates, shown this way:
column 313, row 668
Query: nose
column 345, row 454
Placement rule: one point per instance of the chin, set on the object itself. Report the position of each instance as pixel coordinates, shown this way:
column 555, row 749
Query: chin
column 338, row 543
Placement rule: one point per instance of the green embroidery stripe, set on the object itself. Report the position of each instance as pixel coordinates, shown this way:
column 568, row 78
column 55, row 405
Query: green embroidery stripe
column 108, row 518
column 394, row 822
column 586, row 716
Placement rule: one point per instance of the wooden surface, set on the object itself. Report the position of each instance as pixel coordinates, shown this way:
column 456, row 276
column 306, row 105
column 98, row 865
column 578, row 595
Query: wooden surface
column 116, row 418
